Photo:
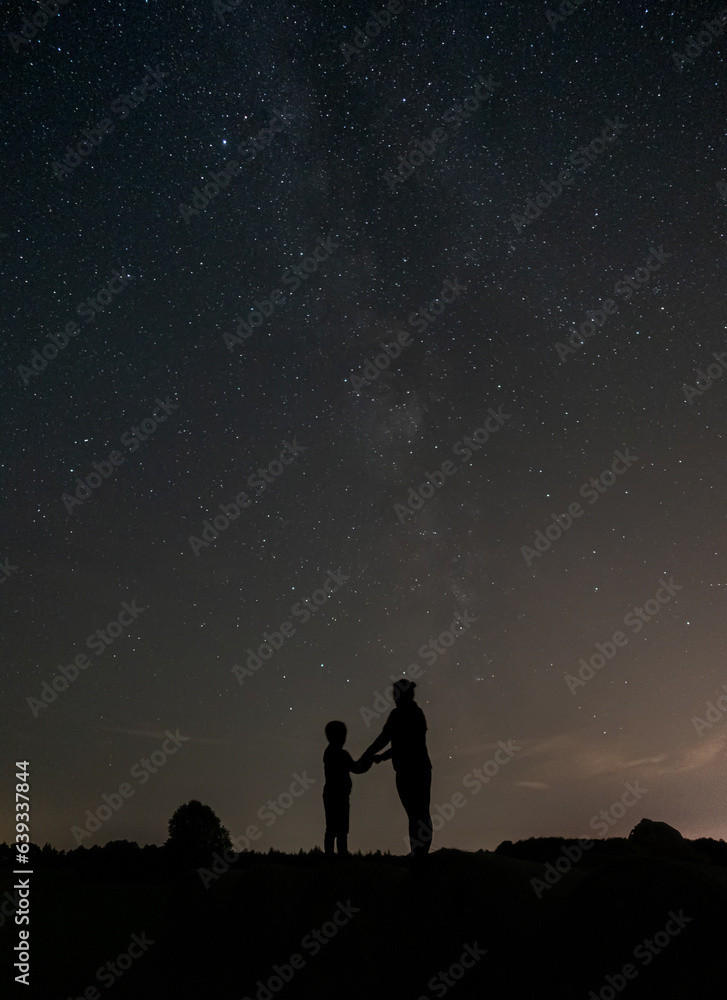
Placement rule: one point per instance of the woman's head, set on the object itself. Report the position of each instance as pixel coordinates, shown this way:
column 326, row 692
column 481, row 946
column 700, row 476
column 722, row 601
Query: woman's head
column 403, row 692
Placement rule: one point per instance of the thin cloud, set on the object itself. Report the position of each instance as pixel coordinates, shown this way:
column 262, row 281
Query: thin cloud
column 565, row 757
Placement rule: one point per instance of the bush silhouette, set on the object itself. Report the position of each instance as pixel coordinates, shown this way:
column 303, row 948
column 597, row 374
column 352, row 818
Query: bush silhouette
column 196, row 834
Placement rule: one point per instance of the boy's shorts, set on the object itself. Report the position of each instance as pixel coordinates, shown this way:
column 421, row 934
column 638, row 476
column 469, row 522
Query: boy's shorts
column 337, row 810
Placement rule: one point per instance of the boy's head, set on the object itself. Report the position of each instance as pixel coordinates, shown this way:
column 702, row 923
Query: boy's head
column 336, row 733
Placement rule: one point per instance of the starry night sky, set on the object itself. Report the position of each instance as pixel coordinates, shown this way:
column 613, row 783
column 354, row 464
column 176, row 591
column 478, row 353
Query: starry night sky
column 346, row 121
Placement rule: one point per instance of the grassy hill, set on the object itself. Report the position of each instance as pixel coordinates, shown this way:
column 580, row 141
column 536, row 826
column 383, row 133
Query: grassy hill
column 520, row 922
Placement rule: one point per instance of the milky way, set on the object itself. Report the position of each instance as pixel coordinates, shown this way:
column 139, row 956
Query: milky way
column 270, row 277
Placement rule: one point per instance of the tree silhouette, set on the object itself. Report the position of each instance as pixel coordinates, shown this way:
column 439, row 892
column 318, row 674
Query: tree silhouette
column 196, row 834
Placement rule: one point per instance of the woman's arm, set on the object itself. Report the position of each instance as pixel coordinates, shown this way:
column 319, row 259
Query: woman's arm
column 361, row 765
column 379, row 743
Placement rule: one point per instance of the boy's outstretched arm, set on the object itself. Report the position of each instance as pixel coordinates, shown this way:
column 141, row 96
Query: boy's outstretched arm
column 361, row 765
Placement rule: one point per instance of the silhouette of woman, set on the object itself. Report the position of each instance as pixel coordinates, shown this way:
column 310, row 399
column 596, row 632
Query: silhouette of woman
column 406, row 730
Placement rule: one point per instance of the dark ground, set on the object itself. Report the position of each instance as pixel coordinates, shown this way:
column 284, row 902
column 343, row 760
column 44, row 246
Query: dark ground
column 408, row 926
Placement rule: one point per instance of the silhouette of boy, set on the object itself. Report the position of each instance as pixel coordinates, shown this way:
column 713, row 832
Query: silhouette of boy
column 337, row 766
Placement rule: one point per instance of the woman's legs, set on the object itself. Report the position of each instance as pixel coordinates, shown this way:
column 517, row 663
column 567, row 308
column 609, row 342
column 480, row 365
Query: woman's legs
column 414, row 791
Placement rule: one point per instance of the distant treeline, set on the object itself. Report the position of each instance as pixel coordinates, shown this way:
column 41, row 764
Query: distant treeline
column 548, row 849
column 126, row 859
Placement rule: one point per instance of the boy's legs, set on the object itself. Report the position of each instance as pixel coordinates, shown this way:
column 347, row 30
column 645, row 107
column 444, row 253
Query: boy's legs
column 337, row 812
column 329, row 839
column 343, row 826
